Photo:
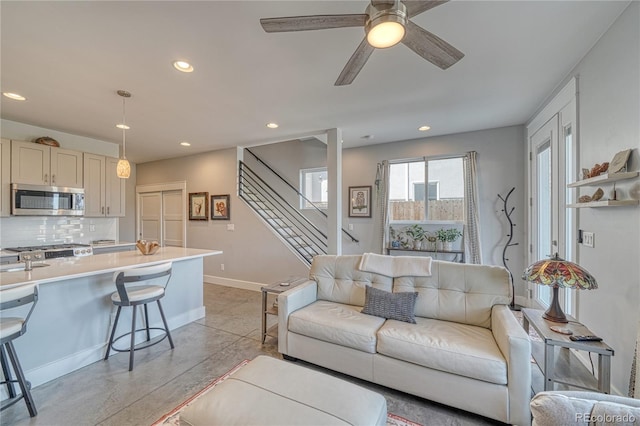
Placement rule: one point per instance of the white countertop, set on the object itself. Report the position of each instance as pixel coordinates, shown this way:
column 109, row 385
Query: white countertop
column 77, row 267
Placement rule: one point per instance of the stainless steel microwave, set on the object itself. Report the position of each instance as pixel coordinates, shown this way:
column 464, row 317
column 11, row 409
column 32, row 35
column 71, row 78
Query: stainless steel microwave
column 37, row 200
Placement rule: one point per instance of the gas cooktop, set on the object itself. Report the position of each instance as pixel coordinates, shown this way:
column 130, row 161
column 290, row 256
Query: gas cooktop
column 53, row 250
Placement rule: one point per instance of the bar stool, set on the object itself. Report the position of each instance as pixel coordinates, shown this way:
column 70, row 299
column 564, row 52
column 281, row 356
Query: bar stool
column 139, row 295
column 10, row 329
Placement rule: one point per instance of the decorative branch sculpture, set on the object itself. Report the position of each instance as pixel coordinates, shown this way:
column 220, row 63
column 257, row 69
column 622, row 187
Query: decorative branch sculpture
column 508, row 244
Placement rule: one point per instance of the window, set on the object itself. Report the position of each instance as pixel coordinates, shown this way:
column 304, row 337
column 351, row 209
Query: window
column 439, row 196
column 313, row 185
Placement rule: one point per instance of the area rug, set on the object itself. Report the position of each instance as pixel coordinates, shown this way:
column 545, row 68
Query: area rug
column 172, row 418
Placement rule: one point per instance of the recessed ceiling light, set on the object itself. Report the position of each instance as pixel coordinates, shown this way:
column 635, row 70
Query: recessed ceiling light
column 272, row 125
column 183, row 66
column 14, row 96
column 424, row 128
column 185, row 143
column 122, row 126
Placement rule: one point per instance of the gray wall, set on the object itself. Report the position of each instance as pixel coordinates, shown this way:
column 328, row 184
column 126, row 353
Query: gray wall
column 609, row 122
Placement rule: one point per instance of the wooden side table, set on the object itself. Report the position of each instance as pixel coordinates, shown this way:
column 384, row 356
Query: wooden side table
column 275, row 288
column 564, row 367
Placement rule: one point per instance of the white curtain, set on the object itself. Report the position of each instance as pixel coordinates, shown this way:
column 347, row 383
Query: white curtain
column 473, row 253
column 382, row 201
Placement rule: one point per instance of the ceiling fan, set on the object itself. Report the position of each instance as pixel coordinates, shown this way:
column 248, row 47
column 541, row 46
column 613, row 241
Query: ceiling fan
column 386, row 23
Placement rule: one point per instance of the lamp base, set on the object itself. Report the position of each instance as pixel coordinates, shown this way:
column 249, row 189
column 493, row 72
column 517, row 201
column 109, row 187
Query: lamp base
column 554, row 313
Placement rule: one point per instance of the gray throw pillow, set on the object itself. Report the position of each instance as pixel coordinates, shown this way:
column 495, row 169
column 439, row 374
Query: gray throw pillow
column 397, row 306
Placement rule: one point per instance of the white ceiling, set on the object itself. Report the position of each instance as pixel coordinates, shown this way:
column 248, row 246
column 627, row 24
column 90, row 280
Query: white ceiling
column 69, row 58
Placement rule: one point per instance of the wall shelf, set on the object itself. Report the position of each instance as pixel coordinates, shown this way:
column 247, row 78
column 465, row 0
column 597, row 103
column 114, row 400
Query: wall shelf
column 603, row 178
column 605, row 203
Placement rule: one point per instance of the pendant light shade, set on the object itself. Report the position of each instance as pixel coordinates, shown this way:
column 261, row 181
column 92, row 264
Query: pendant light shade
column 123, row 170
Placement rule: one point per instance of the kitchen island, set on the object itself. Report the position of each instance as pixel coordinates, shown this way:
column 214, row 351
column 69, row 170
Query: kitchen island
column 70, row 325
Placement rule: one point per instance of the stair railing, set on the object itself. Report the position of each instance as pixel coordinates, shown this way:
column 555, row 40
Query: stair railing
column 353, row 239
column 264, row 198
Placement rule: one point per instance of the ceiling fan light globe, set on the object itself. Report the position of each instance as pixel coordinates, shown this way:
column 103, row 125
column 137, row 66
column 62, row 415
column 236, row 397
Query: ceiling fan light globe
column 385, row 34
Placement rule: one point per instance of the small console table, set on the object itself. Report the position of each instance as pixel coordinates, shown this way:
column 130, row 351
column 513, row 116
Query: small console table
column 458, row 254
column 564, row 367
column 275, row 288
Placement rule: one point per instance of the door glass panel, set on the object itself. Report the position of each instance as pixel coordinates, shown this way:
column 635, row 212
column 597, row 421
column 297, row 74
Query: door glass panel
column 569, row 174
column 543, row 204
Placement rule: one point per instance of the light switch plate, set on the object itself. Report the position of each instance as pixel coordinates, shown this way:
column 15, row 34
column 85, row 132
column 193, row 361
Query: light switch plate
column 231, row 227
column 588, row 239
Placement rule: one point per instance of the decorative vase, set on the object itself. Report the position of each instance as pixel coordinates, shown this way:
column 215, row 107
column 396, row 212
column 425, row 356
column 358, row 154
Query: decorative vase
column 447, row 245
column 417, row 244
column 439, row 245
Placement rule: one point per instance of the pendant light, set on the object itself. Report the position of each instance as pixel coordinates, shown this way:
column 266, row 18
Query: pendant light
column 123, row 170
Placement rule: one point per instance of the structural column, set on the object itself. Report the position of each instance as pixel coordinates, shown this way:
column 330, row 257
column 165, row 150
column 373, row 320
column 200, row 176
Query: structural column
column 334, row 176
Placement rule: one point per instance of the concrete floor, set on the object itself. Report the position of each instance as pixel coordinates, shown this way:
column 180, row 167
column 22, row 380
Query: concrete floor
column 106, row 393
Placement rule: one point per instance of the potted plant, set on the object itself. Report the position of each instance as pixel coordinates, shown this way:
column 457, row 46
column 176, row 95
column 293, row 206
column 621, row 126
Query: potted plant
column 447, row 237
column 396, row 238
column 417, row 234
column 432, row 241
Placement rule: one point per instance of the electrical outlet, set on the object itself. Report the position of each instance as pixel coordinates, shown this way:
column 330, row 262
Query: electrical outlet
column 92, row 228
column 588, row 239
column 351, row 227
column 222, row 266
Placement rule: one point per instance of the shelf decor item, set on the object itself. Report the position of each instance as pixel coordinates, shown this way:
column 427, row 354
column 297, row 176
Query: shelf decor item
column 220, row 207
column 46, row 140
column 558, row 272
column 619, row 161
column 198, row 206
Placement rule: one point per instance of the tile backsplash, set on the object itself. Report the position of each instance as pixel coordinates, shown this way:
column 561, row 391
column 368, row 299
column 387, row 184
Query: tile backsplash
column 39, row 230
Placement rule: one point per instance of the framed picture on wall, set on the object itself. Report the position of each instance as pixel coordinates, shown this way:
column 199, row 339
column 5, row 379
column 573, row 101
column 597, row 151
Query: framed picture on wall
column 220, row 207
column 198, row 206
column 359, row 201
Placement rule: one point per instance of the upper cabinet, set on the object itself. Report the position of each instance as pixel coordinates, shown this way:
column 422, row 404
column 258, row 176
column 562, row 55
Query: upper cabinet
column 5, row 177
column 104, row 190
column 37, row 164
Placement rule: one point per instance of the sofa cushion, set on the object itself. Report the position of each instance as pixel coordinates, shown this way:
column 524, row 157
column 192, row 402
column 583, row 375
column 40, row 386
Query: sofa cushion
column 460, row 349
column 397, row 306
column 337, row 323
column 457, row 292
column 340, row 281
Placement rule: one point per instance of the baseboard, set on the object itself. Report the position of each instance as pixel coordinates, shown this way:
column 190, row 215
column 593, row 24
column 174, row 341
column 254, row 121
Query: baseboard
column 62, row 366
column 229, row 282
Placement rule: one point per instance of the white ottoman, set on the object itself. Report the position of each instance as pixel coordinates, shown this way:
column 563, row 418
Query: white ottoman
column 268, row 391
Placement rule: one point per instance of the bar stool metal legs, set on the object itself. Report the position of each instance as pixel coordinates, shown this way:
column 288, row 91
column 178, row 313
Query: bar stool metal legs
column 10, row 329
column 134, row 297
column 25, row 386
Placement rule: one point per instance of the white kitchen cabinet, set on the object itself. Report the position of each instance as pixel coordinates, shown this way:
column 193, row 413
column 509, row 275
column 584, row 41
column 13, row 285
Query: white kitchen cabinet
column 5, row 177
column 104, row 191
column 37, row 164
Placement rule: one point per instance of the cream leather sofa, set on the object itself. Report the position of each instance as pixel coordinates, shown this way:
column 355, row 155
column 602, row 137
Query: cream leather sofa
column 466, row 350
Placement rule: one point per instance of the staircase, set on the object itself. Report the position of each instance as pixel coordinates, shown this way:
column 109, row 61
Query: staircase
column 293, row 228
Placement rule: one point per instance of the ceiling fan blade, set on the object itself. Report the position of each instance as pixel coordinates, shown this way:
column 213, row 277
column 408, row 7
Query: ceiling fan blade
column 313, row 22
column 355, row 64
column 431, row 47
column 416, row 7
